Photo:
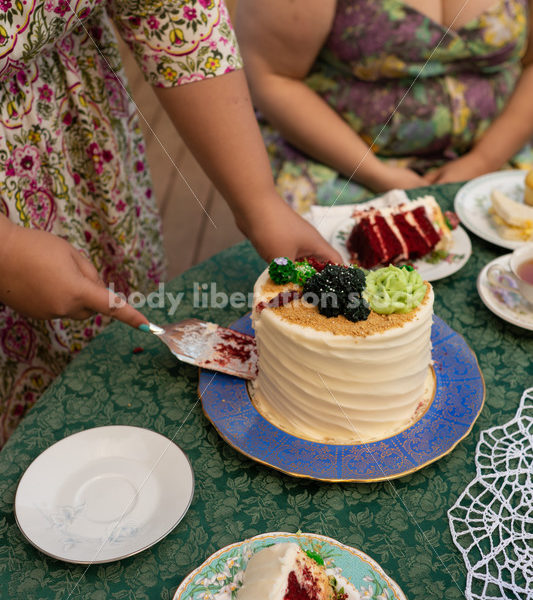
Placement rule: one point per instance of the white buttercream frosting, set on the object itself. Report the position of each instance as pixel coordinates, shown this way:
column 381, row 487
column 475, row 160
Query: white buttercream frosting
column 341, row 388
column 267, row 574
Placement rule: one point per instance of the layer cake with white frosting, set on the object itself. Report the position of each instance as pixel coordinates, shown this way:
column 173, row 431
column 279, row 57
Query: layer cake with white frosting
column 330, row 379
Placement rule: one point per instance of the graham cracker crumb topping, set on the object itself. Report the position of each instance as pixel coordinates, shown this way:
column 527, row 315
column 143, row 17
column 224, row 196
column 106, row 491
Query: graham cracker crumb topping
column 300, row 313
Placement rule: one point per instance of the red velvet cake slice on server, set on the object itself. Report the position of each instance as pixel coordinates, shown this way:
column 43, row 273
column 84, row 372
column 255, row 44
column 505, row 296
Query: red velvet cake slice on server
column 284, row 572
column 397, row 230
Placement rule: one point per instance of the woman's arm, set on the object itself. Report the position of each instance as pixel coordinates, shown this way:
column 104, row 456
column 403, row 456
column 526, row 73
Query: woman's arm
column 42, row 276
column 279, row 41
column 216, row 120
column 509, row 132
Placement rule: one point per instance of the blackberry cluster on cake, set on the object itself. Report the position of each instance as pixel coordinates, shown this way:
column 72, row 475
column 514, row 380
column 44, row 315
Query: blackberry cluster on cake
column 337, row 290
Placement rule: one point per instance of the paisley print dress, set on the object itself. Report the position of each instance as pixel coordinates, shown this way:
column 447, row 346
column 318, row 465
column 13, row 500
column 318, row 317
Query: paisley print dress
column 72, row 153
column 417, row 93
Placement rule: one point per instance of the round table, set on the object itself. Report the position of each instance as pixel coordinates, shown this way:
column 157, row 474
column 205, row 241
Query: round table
column 402, row 524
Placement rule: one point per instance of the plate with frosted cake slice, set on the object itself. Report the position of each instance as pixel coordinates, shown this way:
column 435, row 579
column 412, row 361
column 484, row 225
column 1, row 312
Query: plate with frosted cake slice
column 393, row 229
column 498, row 207
column 285, row 566
column 357, row 379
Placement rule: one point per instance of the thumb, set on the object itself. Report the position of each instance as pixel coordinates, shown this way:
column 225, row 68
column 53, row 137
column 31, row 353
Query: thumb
column 325, row 252
column 322, row 250
column 102, row 300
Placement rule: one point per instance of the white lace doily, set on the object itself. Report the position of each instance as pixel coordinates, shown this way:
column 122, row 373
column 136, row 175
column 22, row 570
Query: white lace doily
column 492, row 521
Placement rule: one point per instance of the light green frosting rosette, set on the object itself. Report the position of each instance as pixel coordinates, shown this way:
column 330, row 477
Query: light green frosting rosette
column 394, row 290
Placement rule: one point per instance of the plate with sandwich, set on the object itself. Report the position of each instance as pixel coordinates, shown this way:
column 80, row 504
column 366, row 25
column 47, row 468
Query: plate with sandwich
column 498, row 207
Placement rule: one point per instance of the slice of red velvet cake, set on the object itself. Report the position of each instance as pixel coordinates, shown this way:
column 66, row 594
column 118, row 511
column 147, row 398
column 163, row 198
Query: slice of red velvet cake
column 284, row 572
column 397, row 231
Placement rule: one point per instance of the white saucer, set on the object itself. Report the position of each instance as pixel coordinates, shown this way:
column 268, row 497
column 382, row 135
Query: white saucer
column 472, row 203
column 455, row 259
column 508, row 305
column 104, row 494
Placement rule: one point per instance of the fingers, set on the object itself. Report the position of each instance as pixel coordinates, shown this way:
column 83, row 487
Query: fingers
column 99, row 299
column 87, row 269
column 432, row 176
column 102, row 300
column 325, row 252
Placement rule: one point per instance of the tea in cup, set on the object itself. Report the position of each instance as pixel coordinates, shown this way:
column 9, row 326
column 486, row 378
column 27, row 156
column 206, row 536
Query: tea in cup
column 519, row 269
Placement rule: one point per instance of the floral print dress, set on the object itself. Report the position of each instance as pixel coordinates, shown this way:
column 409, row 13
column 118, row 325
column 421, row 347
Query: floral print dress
column 72, row 153
column 419, row 94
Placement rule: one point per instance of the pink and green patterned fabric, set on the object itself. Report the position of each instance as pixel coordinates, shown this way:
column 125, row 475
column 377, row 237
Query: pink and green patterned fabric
column 417, row 93
column 72, row 153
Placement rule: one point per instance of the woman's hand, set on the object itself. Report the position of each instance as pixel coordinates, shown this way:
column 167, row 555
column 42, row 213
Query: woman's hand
column 42, row 276
column 225, row 138
column 462, row 169
column 387, row 177
column 279, row 231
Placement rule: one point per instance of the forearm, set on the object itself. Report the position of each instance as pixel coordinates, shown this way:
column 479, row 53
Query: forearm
column 6, row 233
column 5, row 226
column 512, row 129
column 310, row 124
column 216, row 120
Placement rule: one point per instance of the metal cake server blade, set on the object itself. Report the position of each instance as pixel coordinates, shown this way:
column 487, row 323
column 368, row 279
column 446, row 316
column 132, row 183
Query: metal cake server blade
column 209, row 346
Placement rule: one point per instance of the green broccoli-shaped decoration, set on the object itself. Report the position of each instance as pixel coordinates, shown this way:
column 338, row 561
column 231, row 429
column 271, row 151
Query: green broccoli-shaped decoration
column 282, row 270
column 304, row 271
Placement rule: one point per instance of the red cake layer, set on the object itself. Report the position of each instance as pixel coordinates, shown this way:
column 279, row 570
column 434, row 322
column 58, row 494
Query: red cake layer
column 416, row 244
column 389, row 241
column 365, row 243
column 431, row 235
column 308, row 591
column 373, row 241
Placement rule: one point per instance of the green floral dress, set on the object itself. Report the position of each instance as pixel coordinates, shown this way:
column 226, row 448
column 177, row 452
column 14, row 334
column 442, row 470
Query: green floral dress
column 72, row 153
column 418, row 94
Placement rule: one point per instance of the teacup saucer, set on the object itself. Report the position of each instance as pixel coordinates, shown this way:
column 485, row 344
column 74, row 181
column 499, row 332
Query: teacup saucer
column 507, row 304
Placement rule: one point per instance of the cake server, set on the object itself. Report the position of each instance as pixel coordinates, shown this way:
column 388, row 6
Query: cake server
column 209, row 346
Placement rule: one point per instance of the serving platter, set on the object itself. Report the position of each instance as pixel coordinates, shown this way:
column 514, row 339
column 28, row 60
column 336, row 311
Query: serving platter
column 458, row 400
column 221, row 575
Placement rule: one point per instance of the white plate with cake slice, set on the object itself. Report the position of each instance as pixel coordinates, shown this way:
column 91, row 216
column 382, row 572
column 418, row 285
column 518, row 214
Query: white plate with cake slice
column 436, row 265
column 473, row 202
column 221, row 576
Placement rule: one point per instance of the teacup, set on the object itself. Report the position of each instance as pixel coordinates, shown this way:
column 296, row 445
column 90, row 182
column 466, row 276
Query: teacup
column 519, row 269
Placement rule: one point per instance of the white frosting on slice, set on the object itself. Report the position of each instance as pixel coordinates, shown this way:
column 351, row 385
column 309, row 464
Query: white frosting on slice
column 341, row 388
column 390, row 222
column 377, row 233
column 267, row 574
column 413, row 222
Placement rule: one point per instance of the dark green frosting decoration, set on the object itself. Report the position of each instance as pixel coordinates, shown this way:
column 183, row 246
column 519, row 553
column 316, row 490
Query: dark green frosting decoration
column 282, row 270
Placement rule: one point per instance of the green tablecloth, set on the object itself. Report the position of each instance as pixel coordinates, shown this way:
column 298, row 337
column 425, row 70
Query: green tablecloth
column 401, row 524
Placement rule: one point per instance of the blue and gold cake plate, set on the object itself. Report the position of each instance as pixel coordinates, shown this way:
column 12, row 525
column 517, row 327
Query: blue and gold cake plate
column 458, row 400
